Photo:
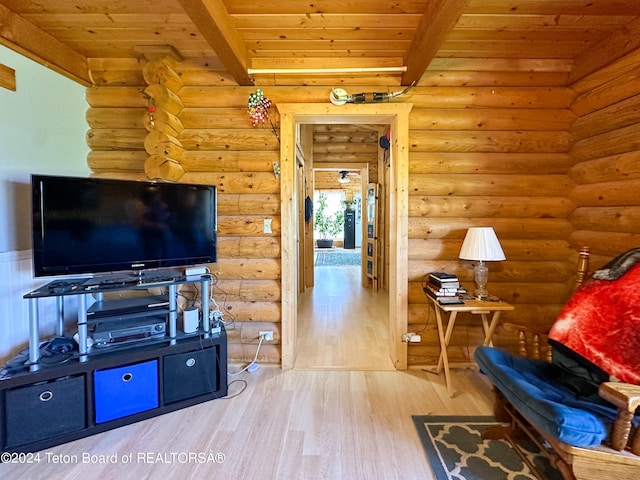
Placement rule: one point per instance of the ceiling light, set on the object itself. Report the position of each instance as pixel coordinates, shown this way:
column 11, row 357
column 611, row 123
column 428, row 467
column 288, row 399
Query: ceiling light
column 311, row 71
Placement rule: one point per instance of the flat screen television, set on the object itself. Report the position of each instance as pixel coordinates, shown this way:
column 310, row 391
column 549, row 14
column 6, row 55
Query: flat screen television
column 97, row 225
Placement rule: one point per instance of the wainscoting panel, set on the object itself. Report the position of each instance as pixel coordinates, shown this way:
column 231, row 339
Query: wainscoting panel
column 16, row 279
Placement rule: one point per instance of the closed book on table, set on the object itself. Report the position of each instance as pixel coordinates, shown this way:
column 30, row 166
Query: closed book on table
column 441, row 279
column 435, row 291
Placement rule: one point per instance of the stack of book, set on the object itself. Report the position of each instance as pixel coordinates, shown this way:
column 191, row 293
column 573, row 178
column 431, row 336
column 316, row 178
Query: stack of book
column 444, row 287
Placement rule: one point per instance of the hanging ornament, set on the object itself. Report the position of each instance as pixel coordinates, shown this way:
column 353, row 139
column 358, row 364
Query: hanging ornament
column 258, row 108
column 152, row 113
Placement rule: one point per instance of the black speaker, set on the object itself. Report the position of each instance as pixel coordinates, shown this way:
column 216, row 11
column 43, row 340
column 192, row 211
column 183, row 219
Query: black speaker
column 187, row 375
column 44, row 410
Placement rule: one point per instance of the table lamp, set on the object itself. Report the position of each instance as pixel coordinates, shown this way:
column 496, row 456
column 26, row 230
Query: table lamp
column 481, row 244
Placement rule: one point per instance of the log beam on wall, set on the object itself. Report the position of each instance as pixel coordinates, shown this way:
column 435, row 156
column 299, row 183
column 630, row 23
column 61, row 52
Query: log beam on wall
column 618, row 44
column 117, row 161
column 7, row 77
column 34, row 43
column 608, row 86
column 161, row 143
column 607, row 169
column 162, row 71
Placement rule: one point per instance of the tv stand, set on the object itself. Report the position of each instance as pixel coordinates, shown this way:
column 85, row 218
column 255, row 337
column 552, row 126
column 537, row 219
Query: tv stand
column 98, row 389
column 142, row 278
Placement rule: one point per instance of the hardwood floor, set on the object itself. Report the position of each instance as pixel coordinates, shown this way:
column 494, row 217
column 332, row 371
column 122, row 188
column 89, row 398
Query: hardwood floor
column 295, row 424
column 342, row 413
column 342, row 325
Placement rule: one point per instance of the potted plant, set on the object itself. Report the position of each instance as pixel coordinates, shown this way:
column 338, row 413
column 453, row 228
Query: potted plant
column 327, row 224
column 349, row 204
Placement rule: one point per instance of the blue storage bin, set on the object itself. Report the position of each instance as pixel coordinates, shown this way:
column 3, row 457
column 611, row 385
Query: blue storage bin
column 125, row 390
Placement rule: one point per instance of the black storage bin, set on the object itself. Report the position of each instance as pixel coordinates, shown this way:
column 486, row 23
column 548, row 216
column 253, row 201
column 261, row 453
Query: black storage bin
column 44, row 410
column 190, row 374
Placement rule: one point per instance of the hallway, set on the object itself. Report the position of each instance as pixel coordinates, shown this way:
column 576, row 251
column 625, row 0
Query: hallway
column 342, row 326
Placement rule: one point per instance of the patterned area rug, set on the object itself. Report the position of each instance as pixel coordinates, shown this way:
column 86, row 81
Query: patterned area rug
column 333, row 259
column 456, row 451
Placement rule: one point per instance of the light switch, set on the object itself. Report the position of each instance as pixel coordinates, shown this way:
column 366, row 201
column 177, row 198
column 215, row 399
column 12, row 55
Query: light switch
column 266, row 227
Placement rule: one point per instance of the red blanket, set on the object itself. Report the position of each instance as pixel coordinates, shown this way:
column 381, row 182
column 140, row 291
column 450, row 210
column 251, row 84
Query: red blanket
column 601, row 322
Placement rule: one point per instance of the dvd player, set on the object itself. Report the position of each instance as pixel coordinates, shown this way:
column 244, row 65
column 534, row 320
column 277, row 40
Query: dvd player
column 124, row 306
column 128, row 330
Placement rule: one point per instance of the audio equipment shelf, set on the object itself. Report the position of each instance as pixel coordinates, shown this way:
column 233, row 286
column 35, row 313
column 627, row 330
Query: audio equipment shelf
column 92, row 390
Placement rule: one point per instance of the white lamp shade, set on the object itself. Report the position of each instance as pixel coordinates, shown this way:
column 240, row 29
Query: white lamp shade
column 481, row 243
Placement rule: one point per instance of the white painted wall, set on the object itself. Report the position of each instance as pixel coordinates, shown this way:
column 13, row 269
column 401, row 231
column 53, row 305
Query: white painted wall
column 42, row 130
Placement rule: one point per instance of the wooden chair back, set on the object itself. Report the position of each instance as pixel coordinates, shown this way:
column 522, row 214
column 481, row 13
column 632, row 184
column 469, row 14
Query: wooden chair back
column 532, row 340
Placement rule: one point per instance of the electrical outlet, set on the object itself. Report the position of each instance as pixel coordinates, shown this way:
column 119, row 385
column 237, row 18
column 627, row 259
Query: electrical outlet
column 266, row 226
column 216, row 317
column 406, row 338
column 411, row 337
column 266, row 335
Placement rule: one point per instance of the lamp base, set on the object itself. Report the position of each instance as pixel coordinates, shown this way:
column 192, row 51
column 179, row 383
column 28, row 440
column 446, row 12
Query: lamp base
column 481, row 273
column 480, row 294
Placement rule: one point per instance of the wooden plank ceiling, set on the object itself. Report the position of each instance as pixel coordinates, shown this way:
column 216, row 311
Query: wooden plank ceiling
column 240, row 36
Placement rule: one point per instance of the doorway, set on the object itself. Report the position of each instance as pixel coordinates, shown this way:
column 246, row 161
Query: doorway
column 342, row 315
column 397, row 117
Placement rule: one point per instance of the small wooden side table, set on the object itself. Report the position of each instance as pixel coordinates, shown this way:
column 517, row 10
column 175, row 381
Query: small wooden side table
column 477, row 307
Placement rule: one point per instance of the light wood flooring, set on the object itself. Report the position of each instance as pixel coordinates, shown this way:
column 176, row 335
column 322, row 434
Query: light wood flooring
column 342, row 325
column 295, row 424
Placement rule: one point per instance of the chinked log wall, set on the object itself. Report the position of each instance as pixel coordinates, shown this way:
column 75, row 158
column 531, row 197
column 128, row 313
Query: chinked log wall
column 479, row 155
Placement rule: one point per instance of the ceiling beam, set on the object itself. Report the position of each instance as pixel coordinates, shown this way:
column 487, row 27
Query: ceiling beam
column 622, row 42
column 434, row 27
column 7, row 77
column 25, row 38
column 216, row 26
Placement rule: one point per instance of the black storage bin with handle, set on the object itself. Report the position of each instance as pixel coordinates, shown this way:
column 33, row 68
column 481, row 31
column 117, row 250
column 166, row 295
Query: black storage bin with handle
column 190, row 374
column 44, row 410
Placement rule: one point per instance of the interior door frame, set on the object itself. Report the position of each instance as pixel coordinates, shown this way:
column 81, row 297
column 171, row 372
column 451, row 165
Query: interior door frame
column 396, row 115
column 364, row 181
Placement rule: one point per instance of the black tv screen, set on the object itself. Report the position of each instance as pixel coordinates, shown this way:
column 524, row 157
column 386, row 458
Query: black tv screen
column 95, row 225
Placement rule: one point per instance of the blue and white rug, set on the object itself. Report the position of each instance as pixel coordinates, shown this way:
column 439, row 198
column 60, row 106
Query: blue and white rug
column 335, row 259
column 456, row 451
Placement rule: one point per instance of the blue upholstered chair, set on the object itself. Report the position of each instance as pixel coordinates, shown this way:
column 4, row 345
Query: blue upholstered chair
column 587, row 431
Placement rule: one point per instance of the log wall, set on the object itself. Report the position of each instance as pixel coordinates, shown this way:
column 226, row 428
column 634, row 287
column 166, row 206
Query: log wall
column 495, row 153
column 489, row 157
column 606, row 158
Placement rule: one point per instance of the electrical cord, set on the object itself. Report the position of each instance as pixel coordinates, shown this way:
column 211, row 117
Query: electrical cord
column 239, row 380
column 228, row 319
column 246, row 384
column 426, row 323
column 253, row 362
